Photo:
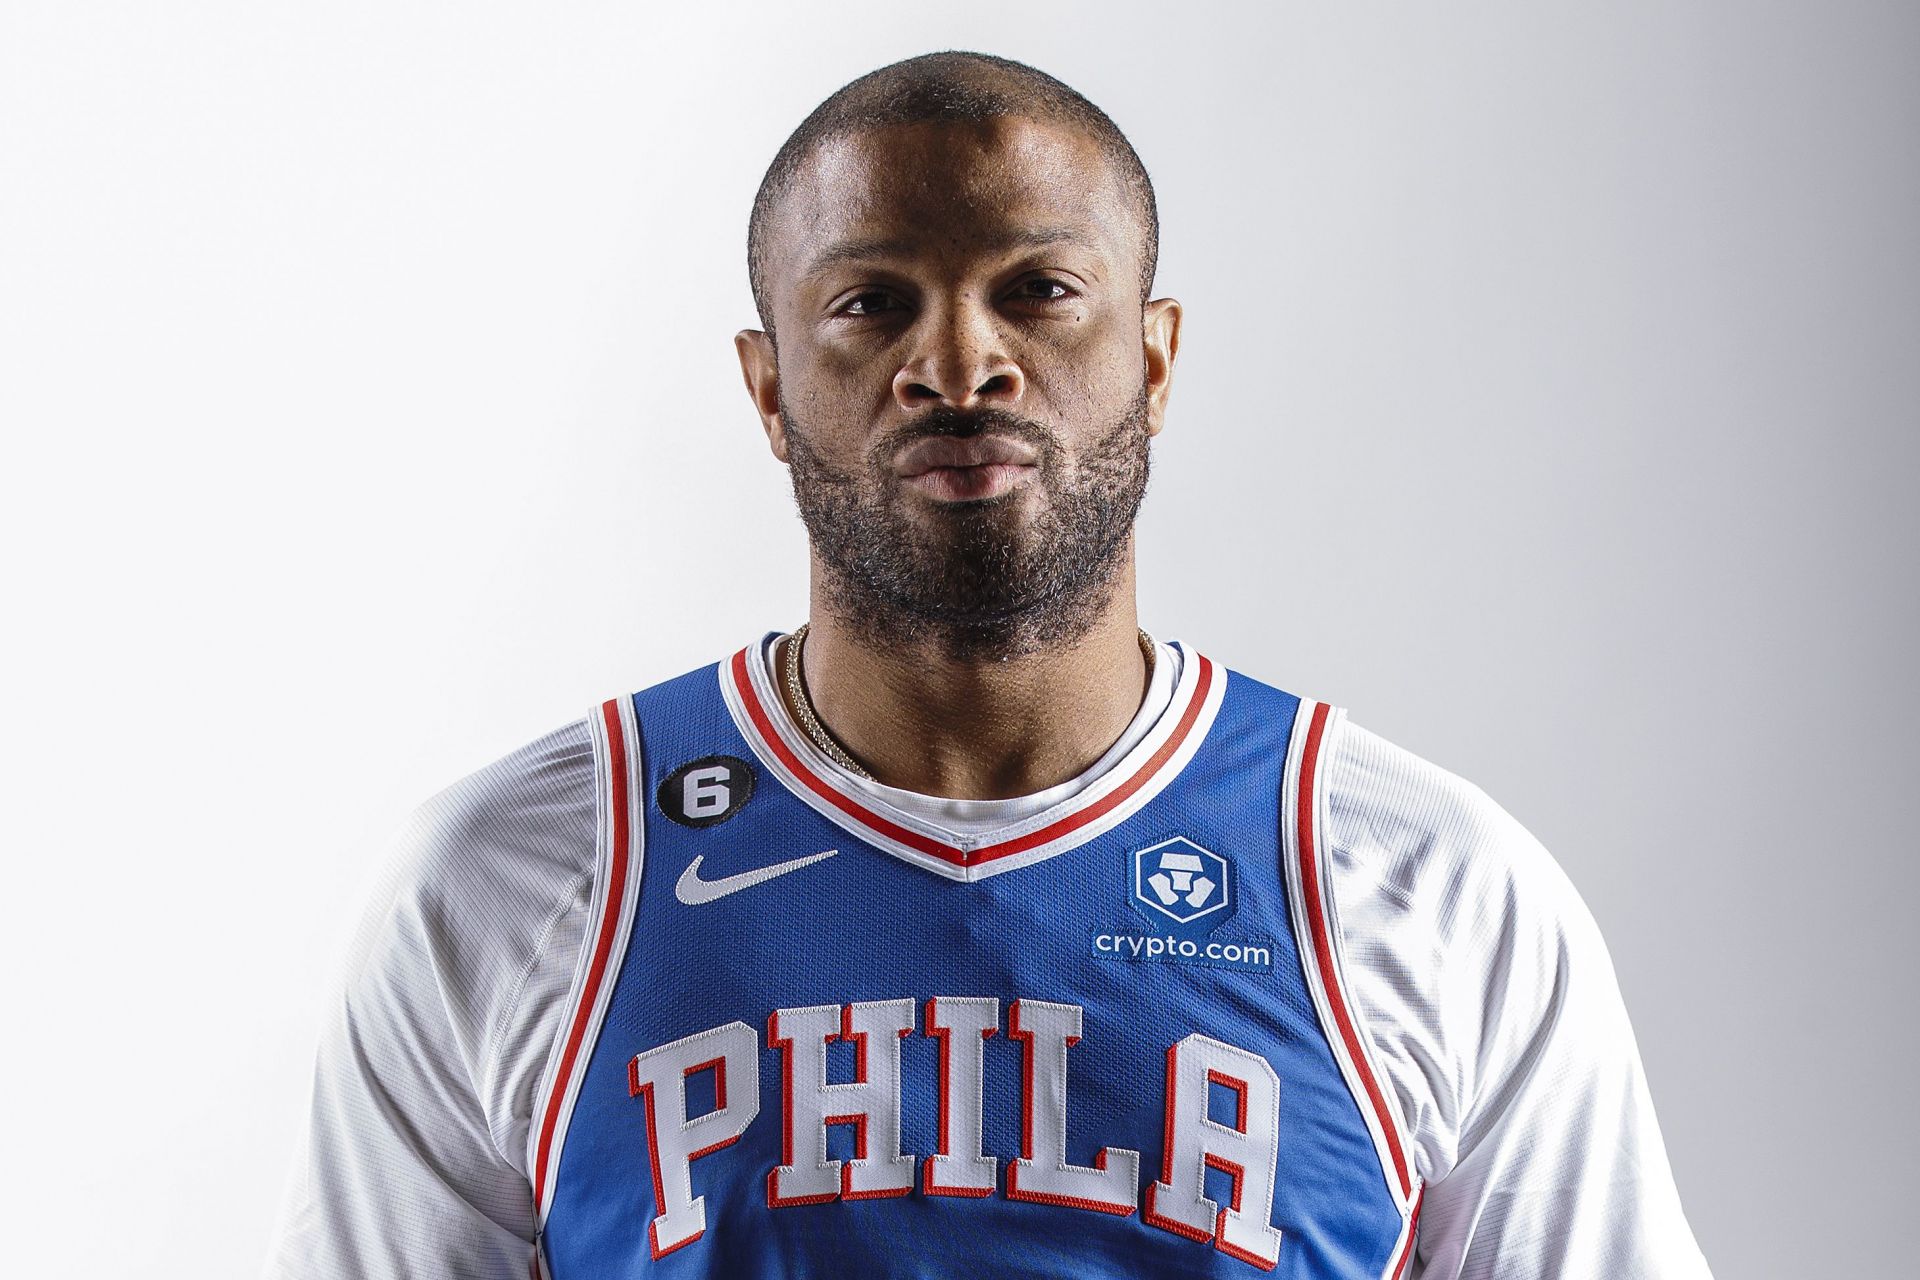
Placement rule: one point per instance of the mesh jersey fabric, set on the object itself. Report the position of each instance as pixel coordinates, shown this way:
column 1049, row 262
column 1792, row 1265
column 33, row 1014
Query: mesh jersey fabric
column 1476, row 973
column 1016, row 1094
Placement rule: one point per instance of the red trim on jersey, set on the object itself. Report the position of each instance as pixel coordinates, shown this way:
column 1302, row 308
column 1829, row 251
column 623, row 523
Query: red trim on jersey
column 1237, row 1174
column 1405, row 1248
column 610, row 917
column 945, row 1145
column 1323, row 945
column 1025, row 1037
column 1014, row 1192
column 785, row 1047
column 1064, row 826
column 814, row 783
column 719, row 1066
column 1240, row 1088
column 1232, row 1168
column 858, row 1119
column 645, row 1092
column 1149, row 1213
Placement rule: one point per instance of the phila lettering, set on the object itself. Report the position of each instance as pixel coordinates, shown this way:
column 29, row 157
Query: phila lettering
column 1043, row 1034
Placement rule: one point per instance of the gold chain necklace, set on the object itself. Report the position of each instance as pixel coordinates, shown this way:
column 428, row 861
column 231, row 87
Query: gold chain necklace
column 817, row 732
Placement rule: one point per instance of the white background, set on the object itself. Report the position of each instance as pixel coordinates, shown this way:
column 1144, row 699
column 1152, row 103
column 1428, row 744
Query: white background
column 1549, row 398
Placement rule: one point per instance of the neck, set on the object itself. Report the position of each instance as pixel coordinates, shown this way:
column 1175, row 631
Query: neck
column 977, row 728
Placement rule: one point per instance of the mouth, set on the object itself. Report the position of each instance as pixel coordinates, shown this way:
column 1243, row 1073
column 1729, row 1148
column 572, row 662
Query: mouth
column 951, row 469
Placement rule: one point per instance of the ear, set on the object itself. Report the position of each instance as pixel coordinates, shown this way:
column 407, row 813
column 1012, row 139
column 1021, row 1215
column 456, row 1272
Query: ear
column 762, row 374
column 1160, row 341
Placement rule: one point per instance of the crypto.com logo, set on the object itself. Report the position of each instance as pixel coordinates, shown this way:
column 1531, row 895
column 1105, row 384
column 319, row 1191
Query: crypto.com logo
column 1181, row 881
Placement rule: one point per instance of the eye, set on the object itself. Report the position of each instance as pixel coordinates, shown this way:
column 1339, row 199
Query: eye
column 1041, row 289
column 873, row 302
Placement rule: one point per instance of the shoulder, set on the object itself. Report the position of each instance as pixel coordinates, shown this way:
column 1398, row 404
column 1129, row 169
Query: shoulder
column 1404, row 828
column 484, row 883
column 441, row 1021
column 1491, row 1005
column 1465, row 941
column 484, row 850
column 512, row 826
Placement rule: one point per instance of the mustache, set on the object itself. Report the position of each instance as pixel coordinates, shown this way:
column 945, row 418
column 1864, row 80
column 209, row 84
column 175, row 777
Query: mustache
column 950, row 420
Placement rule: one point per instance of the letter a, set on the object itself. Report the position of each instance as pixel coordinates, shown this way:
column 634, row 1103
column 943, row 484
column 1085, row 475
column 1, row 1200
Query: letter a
column 1246, row 1151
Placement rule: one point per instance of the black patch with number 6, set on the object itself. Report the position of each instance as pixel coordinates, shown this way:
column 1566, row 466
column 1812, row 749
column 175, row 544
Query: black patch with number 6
column 705, row 791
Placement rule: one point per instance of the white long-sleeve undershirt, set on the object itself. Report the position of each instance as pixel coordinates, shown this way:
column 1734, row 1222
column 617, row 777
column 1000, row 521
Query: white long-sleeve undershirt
column 1479, row 976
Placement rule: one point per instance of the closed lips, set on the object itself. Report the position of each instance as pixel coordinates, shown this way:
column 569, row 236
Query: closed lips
column 938, row 452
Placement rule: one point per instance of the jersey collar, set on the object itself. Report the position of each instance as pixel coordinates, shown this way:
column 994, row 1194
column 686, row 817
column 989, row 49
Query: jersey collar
column 1126, row 787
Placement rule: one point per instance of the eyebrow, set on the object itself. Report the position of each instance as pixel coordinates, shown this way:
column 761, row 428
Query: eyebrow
column 866, row 250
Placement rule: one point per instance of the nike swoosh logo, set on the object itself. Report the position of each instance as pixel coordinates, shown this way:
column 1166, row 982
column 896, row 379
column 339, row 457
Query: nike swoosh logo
column 693, row 891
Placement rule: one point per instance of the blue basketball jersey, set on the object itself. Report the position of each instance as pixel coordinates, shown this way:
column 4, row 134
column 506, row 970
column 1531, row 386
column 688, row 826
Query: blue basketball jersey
column 813, row 1035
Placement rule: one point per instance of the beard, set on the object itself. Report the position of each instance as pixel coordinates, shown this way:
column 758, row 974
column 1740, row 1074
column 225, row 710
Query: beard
column 982, row 578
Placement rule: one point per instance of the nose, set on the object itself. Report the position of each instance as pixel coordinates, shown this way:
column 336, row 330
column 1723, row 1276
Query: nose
column 958, row 358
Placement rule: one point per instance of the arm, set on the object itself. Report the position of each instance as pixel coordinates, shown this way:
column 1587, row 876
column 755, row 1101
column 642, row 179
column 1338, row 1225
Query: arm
column 414, row 1161
column 1494, row 1010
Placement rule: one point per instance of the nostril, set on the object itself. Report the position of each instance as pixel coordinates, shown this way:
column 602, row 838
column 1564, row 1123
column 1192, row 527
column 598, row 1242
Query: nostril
column 919, row 391
column 999, row 384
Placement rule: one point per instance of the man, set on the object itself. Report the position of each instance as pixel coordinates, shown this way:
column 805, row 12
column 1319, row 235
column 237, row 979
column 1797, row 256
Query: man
column 968, row 926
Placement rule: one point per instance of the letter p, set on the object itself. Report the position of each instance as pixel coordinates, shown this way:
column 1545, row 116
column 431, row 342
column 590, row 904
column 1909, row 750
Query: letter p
column 658, row 1078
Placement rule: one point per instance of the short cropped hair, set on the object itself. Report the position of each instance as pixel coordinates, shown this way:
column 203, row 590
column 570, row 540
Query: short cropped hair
column 949, row 86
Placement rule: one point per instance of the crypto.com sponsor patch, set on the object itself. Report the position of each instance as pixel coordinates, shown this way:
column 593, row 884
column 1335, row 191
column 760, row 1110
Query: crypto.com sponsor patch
column 1250, row 957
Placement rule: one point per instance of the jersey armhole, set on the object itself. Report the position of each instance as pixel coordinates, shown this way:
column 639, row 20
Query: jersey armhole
column 1316, row 927
column 619, row 809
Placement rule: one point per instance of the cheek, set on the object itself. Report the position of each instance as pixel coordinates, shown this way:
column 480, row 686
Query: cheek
column 1096, row 371
column 826, row 409
column 844, row 381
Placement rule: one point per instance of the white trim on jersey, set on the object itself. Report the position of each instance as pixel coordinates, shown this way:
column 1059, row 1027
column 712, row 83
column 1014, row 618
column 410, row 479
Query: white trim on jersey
column 1135, row 779
column 1499, row 1032
column 1303, row 822
column 620, row 837
column 1403, row 1251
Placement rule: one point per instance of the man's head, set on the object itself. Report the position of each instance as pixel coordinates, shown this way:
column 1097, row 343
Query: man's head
column 954, row 253
column 957, row 88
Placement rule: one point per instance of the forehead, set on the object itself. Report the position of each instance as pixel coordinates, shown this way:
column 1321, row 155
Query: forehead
column 950, row 191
